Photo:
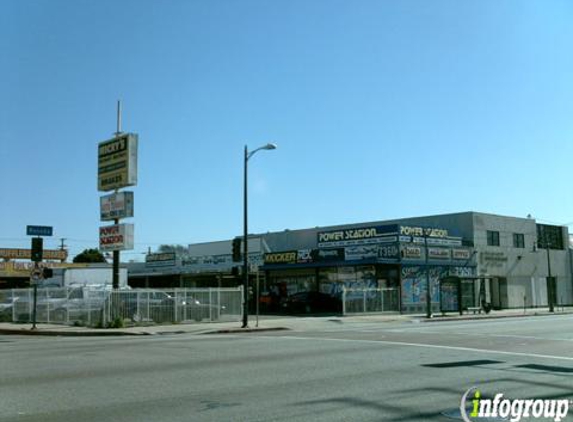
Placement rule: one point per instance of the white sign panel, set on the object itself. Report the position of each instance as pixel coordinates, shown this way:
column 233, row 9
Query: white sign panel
column 118, row 237
column 117, row 162
column 116, row 205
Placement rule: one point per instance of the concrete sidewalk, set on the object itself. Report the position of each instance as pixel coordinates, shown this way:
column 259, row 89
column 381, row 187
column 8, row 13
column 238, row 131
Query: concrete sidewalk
column 267, row 323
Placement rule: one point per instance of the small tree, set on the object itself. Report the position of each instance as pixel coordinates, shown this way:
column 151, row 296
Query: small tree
column 89, row 255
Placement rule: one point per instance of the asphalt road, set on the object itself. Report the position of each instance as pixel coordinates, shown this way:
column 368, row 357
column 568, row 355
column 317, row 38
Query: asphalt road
column 338, row 371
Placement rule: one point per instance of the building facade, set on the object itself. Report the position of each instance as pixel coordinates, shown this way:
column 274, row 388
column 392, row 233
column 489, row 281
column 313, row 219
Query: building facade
column 508, row 262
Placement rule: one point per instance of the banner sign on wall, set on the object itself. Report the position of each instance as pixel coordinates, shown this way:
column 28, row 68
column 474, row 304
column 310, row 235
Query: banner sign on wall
column 304, row 256
column 357, row 236
column 411, row 252
column 355, row 253
column 117, row 237
column 10, row 253
column 388, row 251
column 165, row 259
column 288, row 257
column 461, row 254
column 328, row 255
column 423, row 231
column 117, row 162
column 438, row 253
column 117, row 205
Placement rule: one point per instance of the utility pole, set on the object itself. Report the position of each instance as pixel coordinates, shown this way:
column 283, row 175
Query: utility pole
column 63, row 246
column 428, row 283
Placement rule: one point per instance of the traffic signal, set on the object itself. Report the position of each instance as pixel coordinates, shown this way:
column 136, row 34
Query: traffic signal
column 237, row 249
column 47, row 273
column 37, row 249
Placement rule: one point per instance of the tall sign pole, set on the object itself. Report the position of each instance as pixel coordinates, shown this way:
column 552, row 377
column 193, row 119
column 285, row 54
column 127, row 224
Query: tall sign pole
column 117, row 168
column 116, row 256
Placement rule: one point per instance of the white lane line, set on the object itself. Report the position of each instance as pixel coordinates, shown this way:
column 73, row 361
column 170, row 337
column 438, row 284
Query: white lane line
column 478, row 334
column 423, row 345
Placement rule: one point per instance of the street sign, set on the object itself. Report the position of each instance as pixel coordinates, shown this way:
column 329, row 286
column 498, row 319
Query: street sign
column 36, row 274
column 39, row 230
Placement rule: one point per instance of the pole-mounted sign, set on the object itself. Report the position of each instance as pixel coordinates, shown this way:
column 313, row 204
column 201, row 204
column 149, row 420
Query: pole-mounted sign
column 39, row 230
column 117, row 162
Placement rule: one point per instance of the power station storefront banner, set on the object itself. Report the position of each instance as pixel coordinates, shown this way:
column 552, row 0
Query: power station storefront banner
column 357, row 236
column 386, row 234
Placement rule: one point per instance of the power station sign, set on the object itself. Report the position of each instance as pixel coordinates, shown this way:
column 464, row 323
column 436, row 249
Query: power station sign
column 117, row 162
column 117, row 237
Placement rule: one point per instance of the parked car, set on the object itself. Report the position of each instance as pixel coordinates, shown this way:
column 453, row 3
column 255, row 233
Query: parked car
column 81, row 304
column 159, row 307
column 6, row 308
column 312, row 302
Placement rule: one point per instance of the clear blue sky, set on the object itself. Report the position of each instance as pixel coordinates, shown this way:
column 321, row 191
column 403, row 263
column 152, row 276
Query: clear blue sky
column 381, row 109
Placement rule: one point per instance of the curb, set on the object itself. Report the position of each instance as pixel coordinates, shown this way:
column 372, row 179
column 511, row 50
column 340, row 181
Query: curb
column 485, row 317
column 246, row 330
column 27, row 332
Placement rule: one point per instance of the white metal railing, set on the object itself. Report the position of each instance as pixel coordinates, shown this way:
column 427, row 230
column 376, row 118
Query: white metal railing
column 104, row 307
column 370, row 300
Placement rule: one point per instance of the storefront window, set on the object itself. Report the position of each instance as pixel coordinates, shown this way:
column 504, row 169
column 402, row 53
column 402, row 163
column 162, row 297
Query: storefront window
column 332, row 279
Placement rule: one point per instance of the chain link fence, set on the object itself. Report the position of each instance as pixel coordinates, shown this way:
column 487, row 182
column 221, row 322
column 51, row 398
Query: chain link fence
column 103, row 307
column 370, row 300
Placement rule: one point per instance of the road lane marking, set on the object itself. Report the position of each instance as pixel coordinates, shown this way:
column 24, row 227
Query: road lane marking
column 478, row 334
column 424, row 345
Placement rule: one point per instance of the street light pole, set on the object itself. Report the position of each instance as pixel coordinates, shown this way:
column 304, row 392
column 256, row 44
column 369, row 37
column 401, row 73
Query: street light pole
column 245, row 233
column 550, row 285
column 245, row 246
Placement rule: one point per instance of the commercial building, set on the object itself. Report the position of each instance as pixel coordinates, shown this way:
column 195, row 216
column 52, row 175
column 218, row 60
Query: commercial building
column 509, row 262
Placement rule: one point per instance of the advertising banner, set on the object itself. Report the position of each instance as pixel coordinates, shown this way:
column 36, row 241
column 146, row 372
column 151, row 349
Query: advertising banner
column 117, row 162
column 438, row 253
column 288, row 257
column 328, row 255
column 117, row 205
column 165, row 259
column 304, row 256
column 118, row 237
column 461, row 254
column 388, row 251
column 357, row 236
column 49, row 254
column 411, row 252
column 354, row 253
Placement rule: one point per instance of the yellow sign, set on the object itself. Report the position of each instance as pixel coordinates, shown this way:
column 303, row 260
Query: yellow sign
column 23, row 269
column 281, row 257
column 10, row 253
column 117, row 162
